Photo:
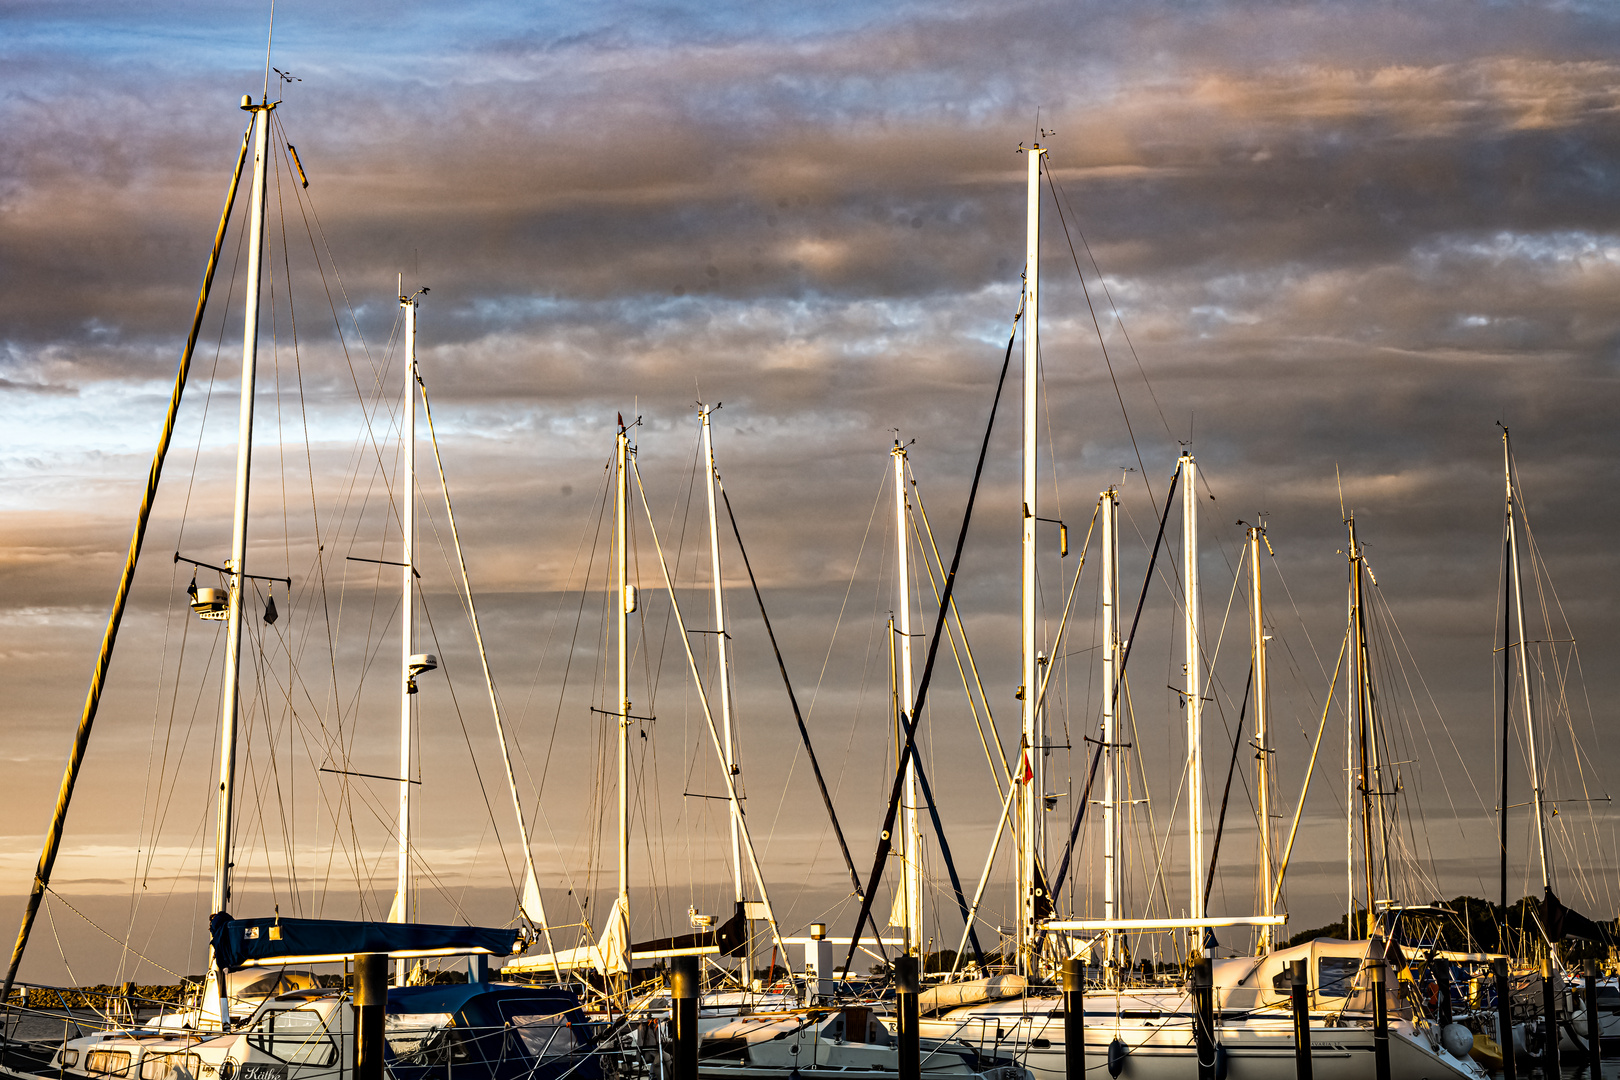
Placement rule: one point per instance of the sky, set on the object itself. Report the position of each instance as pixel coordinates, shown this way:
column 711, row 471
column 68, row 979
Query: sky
column 1329, row 247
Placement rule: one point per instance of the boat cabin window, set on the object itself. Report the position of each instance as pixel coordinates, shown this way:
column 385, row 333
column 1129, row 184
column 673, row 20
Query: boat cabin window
column 538, row 1027
column 171, row 1067
column 543, row 1037
column 856, row 1025
column 409, row 1035
column 295, row 1035
column 108, row 1062
column 1335, row 975
column 1283, row 981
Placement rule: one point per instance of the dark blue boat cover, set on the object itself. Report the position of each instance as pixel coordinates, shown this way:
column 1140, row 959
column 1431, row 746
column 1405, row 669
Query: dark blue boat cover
column 239, row 942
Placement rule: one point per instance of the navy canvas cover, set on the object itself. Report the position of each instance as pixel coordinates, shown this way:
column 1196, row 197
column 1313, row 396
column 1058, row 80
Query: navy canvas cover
column 238, row 942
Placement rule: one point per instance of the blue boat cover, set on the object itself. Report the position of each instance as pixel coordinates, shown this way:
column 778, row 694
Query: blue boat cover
column 240, row 942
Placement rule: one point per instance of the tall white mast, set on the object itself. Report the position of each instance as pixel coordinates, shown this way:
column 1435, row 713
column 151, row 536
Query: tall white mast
column 1033, row 735
column 1110, row 723
column 1262, row 734
column 911, row 848
column 231, row 691
column 1193, row 666
column 401, row 911
column 1524, row 671
column 626, row 605
column 722, row 650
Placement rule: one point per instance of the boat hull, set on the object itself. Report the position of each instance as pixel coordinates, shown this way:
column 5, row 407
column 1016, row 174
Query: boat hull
column 1163, row 1048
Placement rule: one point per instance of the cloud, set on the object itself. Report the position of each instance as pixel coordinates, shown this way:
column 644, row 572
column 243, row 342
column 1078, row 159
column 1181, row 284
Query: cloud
column 1330, row 245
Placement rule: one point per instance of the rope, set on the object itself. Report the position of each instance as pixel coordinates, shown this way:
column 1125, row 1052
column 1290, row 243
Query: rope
column 81, row 741
column 1096, row 325
column 489, row 681
column 940, row 623
column 104, row 933
column 804, row 732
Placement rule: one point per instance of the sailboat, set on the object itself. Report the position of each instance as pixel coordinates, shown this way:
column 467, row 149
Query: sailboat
column 1547, row 1036
column 1150, row 1032
column 299, row 1031
column 613, row 955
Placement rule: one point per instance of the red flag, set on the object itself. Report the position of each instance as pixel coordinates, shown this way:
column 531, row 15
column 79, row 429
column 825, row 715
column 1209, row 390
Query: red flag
column 1028, row 772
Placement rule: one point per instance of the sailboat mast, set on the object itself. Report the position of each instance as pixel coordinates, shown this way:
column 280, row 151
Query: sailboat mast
column 1032, row 734
column 1110, row 725
column 407, row 638
column 911, row 847
column 1524, row 669
column 1193, row 666
column 231, row 691
column 626, row 605
column 1262, row 737
column 722, row 650
column 1363, row 719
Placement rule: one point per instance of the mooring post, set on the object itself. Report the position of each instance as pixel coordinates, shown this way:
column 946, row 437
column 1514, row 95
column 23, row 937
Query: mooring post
column 1594, row 1038
column 1504, row 1019
column 1549, row 1017
column 684, row 988
column 907, row 984
column 1380, row 1021
column 1074, row 1018
column 1203, row 994
column 370, row 1003
column 1300, row 989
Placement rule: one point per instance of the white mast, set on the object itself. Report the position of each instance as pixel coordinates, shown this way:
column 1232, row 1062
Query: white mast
column 1193, row 666
column 401, row 912
column 231, row 691
column 1033, row 740
column 626, row 605
column 1110, row 726
column 1524, row 671
column 911, row 846
column 721, row 645
column 1262, row 735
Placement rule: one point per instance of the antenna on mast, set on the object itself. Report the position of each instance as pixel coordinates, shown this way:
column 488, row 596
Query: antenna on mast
column 268, row 38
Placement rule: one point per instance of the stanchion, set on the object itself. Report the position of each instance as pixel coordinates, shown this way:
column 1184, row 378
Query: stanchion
column 1203, row 993
column 1594, row 1038
column 684, row 988
column 1549, row 1017
column 370, row 1003
column 906, row 987
column 1504, row 1019
column 1380, row 1021
column 1300, row 989
column 1074, row 1018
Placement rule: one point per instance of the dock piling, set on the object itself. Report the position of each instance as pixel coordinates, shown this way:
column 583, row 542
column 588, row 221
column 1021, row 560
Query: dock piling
column 1380, row 1021
column 1504, row 1019
column 1074, row 1018
column 1203, row 995
column 1300, row 990
column 684, row 988
column 1594, row 1038
column 907, row 984
column 370, row 1003
column 1549, row 1017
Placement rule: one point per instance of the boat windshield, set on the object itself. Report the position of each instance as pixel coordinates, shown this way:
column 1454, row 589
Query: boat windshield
column 1336, row 974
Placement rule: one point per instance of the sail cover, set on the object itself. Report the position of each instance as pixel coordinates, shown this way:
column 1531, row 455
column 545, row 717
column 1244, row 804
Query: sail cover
column 1562, row 922
column 240, row 943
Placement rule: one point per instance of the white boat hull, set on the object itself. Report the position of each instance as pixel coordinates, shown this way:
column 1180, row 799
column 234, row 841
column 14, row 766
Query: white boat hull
column 1162, row 1047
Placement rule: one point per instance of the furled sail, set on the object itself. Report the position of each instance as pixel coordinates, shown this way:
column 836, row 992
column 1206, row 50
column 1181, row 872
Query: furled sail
column 240, row 943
